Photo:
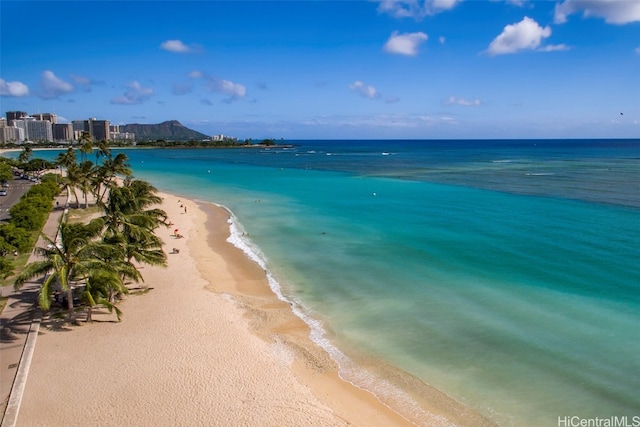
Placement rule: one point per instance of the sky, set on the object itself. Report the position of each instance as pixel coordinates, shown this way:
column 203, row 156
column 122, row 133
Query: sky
column 406, row 69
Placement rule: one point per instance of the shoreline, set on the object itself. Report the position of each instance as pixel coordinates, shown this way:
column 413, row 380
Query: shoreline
column 216, row 348
column 406, row 396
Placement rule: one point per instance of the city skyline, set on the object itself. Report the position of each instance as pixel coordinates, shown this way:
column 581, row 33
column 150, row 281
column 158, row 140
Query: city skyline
column 340, row 69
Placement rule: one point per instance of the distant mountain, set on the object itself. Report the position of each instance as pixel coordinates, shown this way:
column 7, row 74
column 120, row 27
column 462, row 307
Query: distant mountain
column 171, row 130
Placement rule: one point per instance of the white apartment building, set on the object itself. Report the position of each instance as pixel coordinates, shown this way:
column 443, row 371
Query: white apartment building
column 35, row 130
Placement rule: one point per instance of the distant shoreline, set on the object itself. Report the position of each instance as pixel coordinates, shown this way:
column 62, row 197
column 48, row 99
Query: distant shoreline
column 250, row 146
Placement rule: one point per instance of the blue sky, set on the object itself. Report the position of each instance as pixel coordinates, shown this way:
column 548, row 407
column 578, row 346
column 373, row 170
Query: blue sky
column 331, row 69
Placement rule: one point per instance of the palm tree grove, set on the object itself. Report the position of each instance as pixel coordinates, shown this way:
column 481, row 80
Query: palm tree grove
column 93, row 262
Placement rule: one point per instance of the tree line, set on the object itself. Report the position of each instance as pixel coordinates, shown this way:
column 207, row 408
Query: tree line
column 97, row 258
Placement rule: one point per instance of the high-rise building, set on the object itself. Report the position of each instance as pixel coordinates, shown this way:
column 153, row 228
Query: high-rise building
column 79, row 126
column 15, row 115
column 35, row 130
column 63, row 132
column 99, row 129
column 11, row 134
column 47, row 116
column 40, row 130
column 22, row 125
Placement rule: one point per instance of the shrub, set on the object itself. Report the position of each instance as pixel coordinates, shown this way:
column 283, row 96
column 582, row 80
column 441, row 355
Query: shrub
column 16, row 237
column 27, row 215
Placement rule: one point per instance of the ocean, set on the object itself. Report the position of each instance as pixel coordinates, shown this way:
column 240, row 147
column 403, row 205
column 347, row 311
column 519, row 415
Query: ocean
column 503, row 272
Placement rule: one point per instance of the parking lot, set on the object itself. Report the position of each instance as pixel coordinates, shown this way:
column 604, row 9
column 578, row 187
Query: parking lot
column 17, row 187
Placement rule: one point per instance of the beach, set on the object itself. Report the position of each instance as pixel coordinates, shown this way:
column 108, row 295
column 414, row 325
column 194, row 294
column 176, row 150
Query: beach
column 207, row 344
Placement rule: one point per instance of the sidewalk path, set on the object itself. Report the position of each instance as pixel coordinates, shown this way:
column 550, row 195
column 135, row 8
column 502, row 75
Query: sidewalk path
column 19, row 317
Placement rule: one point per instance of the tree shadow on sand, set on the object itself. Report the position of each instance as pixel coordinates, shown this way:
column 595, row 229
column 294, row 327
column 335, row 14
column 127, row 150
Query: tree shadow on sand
column 25, row 305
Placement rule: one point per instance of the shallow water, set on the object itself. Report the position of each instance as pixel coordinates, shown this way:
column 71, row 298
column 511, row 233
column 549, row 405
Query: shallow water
column 502, row 272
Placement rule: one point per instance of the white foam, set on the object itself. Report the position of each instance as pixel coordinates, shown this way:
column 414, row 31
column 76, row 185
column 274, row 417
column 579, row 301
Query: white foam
column 347, row 369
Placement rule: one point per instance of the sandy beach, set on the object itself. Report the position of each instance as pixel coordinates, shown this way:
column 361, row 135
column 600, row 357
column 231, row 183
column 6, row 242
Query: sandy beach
column 208, row 344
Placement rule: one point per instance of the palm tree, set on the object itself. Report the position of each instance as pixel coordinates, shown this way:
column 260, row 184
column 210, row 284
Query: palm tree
column 103, row 150
column 85, row 182
column 130, row 222
column 106, row 173
column 25, row 154
column 79, row 177
column 67, row 160
column 71, row 180
column 128, row 208
column 79, row 255
column 99, row 290
column 86, row 147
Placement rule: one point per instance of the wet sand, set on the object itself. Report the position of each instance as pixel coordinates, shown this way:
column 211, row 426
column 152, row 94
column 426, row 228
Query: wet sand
column 207, row 344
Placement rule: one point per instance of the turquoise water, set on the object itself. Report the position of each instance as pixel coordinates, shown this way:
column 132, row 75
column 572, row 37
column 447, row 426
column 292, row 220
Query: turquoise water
column 505, row 273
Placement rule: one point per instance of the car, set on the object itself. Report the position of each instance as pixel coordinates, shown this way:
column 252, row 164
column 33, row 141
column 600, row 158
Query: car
column 3, row 192
column 5, row 184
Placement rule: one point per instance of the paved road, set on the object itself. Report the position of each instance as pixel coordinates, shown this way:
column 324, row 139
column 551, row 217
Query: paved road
column 17, row 187
column 19, row 320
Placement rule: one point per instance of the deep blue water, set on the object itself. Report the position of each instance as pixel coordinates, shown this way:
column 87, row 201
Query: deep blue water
column 504, row 273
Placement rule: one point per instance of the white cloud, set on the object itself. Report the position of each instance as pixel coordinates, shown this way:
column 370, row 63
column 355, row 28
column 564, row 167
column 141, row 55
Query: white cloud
column 391, row 121
column 463, row 102
column 52, row 86
column 216, row 84
column 405, row 44
column 13, row 88
column 85, row 83
column 526, row 34
column 364, row 90
column 135, row 94
column 613, row 11
column 235, row 90
column 176, row 46
column 415, row 9
column 442, row 40
column 553, row 48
